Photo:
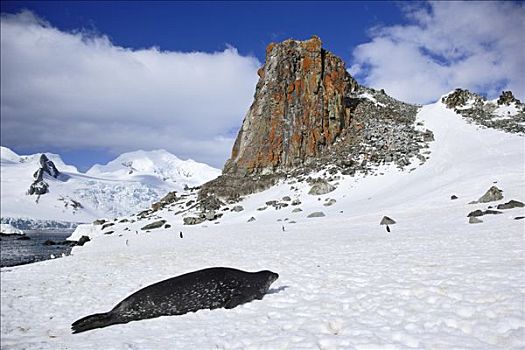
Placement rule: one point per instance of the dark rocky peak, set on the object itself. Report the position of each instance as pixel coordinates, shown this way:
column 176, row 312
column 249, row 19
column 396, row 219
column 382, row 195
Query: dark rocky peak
column 310, row 114
column 39, row 186
column 48, row 166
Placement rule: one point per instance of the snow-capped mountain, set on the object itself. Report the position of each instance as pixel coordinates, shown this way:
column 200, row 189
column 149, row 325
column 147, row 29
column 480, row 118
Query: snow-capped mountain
column 105, row 191
column 160, row 164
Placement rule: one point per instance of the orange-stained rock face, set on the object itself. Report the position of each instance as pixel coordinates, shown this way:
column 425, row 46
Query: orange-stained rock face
column 298, row 110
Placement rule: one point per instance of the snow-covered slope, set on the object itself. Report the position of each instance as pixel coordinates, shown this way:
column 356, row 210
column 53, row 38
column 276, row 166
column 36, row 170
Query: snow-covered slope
column 434, row 282
column 158, row 163
column 106, row 191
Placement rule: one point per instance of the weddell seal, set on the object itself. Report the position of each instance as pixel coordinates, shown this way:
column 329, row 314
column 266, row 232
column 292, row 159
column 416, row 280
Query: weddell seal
column 212, row 288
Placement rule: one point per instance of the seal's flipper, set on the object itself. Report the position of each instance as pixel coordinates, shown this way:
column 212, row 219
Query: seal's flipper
column 92, row 322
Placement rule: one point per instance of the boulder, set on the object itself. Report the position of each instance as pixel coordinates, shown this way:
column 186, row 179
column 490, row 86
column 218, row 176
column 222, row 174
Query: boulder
column 387, row 221
column 154, row 225
column 477, row 213
column 316, row 214
column 492, row 194
column 193, row 220
column 511, row 204
column 321, row 187
column 238, row 208
column 474, row 220
column 83, row 240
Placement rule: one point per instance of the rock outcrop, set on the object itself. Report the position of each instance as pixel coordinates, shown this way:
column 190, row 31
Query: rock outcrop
column 39, row 186
column 507, row 113
column 309, row 114
column 300, row 108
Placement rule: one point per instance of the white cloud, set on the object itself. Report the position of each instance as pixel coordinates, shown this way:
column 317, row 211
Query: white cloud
column 447, row 44
column 80, row 91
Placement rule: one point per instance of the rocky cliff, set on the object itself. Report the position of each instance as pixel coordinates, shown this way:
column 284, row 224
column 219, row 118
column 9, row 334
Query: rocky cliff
column 300, row 108
column 308, row 114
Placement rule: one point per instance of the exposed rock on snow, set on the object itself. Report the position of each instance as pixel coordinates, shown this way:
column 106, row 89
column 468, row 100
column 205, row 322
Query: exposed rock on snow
column 321, row 187
column 154, row 225
column 170, row 198
column 238, row 208
column 511, row 204
column 309, row 114
column 474, row 220
column 506, row 113
column 191, row 220
column 479, row 212
column 316, row 214
column 330, row 202
column 387, row 221
column 493, row 194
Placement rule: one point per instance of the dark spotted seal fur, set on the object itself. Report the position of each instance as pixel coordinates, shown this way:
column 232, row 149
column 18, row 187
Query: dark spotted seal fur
column 212, row 288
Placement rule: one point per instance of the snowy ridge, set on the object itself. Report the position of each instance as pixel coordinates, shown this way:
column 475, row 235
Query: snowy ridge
column 107, row 193
column 159, row 163
column 434, row 282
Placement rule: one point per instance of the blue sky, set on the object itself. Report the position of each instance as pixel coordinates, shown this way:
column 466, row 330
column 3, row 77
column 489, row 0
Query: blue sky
column 208, row 26
column 89, row 80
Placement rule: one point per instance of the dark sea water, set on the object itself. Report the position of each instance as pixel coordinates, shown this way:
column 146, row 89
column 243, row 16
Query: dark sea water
column 18, row 252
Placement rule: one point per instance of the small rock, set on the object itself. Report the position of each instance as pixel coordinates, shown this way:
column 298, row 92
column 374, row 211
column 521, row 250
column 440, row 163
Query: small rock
column 99, row 222
column 453, row 197
column 478, row 212
column 519, row 217
column 511, row 204
column 321, row 187
column 83, row 240
column 387, row 221
column 286, row 198
column 109, row 232
column 474, row 220
column 330, row 202
column 251, row 219
column 238, row 208
column 193, row 220
column 475, row 213
column 153, row 225
column 297, row 210
column 296, row 202
column 316, row 214
column 105, row 226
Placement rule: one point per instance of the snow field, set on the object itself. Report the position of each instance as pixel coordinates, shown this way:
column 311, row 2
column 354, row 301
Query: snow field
column 350, row 285
column 434, row 282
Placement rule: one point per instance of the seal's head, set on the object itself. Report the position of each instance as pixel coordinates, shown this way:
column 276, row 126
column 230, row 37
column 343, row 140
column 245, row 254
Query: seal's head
column 270, row 277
